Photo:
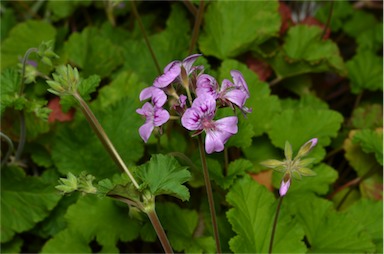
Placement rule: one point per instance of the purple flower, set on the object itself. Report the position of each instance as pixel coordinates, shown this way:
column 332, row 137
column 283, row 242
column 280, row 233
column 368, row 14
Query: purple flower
column 157, row 95
column 284, row 187
column 230, row 93
column 154, row 116
column 174, row 70
column 200, row 118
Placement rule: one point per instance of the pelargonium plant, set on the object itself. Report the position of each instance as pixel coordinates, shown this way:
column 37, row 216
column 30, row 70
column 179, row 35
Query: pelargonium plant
column 197, row 96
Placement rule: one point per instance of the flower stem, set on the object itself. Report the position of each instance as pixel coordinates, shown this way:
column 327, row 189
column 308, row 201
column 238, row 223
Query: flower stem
column 98, row 129
column 196, row 27
column 209, row 194
column 160, row 231
column 328, row 20
column 275, row 224
column 137, row 16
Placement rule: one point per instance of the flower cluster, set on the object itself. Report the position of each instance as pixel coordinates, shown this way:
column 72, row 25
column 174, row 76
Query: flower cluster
column 197, row 108
column 296, row 167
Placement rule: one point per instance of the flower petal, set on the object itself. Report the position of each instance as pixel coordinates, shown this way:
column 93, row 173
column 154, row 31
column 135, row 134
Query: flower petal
column 145, row 131
column 188, row 62
column 213, row 143
column 161, row 116
column 191, row 120
column 239, row 81
column 171, row 71
column 206, row 105
column 227, row 125
column 146, row 110
column 206, row 84
column 236, row 96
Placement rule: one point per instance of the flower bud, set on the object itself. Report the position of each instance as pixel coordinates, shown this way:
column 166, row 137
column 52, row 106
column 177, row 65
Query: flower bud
column 306, row 148
column 288, row 151
column 285, row 183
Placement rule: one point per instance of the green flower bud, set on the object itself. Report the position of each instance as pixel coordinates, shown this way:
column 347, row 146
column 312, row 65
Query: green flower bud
column 306, row 148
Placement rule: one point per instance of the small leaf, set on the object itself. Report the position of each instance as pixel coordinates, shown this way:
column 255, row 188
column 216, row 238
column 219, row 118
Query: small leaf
column 365, row 72
column 369, row 116
column 303, row 43
column 371, row 142
column 164, row 175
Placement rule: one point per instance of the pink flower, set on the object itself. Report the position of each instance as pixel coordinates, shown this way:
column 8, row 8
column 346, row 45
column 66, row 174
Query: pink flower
column 200, row 118
column 154, row 116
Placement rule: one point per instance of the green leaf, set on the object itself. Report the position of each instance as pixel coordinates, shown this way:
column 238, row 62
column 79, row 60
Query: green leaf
column 261, row 150
column 168, row 45
column 85, row 88
column 125, row 85
column 231, row 27
column 303, row 43
column 371, row 39
column 342, row 10
column 319, row 184
column 8, row 20
column 328, row 231
column 302, row 124
column 252, row 216
column 10, row 86
column 63, row 9
column 93, row 53
column 236, row 169
column 373, row 223
column 180, row 225
column 90, row 218
column 368, row 116
column 25, row 201
column 164, row 175
column 365, row 72
column 359, row 22
column 371, row 142
column 23, row 36
column 361, row 162
column 79, row 143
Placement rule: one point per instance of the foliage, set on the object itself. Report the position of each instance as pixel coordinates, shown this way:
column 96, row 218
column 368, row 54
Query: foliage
column 307, row 79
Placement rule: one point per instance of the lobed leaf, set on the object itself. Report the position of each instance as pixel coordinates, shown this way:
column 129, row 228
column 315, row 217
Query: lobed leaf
column 230, row 27
column 164, row 175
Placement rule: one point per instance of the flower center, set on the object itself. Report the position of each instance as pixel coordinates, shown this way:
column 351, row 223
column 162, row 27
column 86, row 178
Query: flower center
column 207, row 124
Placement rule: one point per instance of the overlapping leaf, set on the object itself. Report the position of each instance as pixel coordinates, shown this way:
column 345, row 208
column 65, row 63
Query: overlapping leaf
column 106, row 222
column 79, row 142
column 23, row 36
column 93, row 53
column 365, row 72
column 164, row 175
column 328, row 231
column 25, row 201
column 230, row 27
column 180, row 225
column 252, row 217
column 371, row 142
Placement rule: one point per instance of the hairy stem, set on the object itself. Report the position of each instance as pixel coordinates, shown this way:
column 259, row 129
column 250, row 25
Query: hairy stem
column 196, row 27
column 190, row 7
column 98, row 129
column 10, row 148
column 160, row 231
column 208, row 187
column 137, row 16
column 275, row 224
